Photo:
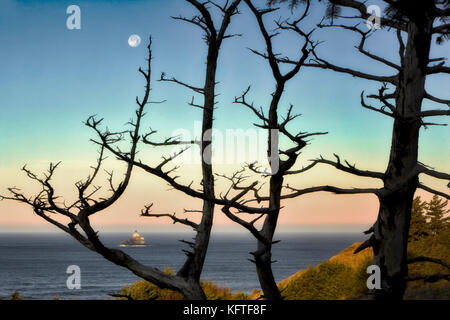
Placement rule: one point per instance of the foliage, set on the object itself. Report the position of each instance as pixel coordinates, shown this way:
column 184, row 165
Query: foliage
column 144, row 290
column 438, row 247
column 428, row 219
column 418, row 227
column 215, row 292
column 436, row 212
column 15, row 296
column 328, row 281
column 433, row 247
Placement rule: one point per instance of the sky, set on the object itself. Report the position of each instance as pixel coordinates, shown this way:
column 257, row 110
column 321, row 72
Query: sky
column 53, row 78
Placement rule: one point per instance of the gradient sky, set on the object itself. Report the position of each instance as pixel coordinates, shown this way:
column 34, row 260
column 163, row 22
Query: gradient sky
column 52, row 79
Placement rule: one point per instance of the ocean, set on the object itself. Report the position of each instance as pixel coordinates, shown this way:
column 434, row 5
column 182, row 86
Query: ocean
column 35, row 264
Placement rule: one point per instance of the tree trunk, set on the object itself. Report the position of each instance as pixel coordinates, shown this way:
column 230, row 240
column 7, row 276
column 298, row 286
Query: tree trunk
column 392, row 226
column 194, row 264
column 265, row 275
column 194, row 291
column 263, row 255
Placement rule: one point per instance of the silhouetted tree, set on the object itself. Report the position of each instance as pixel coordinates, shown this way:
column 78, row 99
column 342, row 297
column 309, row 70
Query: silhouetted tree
column 280, row 167
column 214, row 37
column 402, row 97
column 187, row 280
column 47, row 206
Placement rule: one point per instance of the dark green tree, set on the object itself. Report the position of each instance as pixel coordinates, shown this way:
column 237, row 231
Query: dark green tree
column 419, row 227
column 436, row 211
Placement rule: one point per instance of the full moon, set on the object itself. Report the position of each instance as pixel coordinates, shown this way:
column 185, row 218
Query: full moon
column 134, row 40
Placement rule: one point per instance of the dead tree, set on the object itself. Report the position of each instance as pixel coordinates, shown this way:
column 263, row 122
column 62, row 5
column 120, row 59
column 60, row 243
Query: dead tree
column 187, row 279
column 402, row 97
column 48, row 206
column 280, row 168
column 214, row 37
column 193, row 266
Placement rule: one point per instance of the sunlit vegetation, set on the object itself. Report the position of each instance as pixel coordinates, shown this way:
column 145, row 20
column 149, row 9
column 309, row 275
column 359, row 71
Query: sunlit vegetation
column 144, row 290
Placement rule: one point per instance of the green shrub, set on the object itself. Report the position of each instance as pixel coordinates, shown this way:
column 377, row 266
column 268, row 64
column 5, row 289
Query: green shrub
column 15, row 296
column 144, row 290
column 216, row 292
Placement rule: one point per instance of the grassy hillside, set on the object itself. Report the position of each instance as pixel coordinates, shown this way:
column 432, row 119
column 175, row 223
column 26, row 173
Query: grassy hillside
column 344, row 275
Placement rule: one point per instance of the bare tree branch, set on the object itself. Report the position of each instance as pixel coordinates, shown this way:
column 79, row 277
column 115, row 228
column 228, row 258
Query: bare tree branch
column 364, row 15
column 349, row 168
column 434, row 113
column 438, row 100
column 196, row 89
column 336, row 190
column 421, row 168
column 146, row 213
column 439, row 68
column 427, row 259
column 433, row 191
column 429, row 278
